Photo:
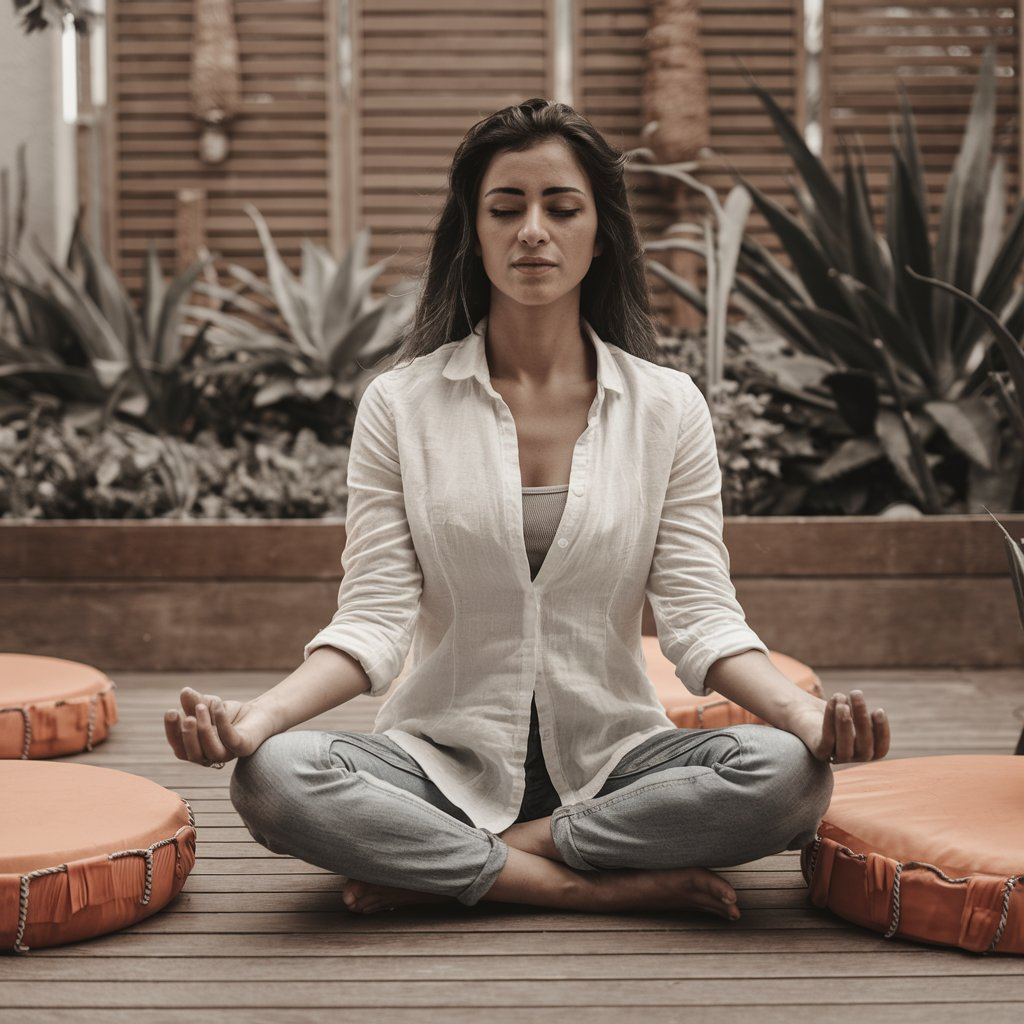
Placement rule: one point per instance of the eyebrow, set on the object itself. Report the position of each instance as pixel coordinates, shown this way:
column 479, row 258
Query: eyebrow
column 553, row 190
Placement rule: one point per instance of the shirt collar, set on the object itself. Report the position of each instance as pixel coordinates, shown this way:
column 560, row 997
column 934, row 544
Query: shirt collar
column 469, row 359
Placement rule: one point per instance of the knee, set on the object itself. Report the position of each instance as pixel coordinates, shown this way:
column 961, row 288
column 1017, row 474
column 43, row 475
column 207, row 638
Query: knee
column 263, row 785
column 798, row 789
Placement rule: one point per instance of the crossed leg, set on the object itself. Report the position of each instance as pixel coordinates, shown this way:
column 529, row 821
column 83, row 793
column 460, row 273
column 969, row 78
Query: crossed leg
column 718, row 796
column 534, row 874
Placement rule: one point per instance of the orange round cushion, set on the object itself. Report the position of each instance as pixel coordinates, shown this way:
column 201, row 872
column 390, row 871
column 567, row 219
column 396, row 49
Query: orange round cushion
column 713, row 711
column 926, row 848
column 50, row 707
column 85, row 851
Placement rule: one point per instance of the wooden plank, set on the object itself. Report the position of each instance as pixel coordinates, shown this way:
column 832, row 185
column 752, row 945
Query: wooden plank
column 327, row 883
column 961, row 621
column 119, row 627
column 782, row 1013
column 494, row 917
column 486, row 992
column 329, row 902
column 826, row 547
column 838, row 546
column 899, row 623
column 158, row 549
column 538, row 966
column 391, row 941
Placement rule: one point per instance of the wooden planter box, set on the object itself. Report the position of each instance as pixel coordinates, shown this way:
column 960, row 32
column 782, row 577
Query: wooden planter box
column 843, row 592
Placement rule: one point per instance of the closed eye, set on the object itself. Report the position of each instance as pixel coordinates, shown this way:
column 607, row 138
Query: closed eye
column 554, row 213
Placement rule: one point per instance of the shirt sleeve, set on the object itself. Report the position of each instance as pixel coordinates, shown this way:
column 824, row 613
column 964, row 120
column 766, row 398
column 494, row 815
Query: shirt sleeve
column 379, row 597
column 698, row 617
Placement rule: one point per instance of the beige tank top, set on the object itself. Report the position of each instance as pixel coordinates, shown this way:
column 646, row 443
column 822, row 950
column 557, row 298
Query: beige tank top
column 542, row 512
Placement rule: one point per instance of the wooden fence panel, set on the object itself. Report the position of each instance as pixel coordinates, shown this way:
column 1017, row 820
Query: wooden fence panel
column 762, row 37
column 423, row 74
column 324, row 146
column 279, row 141
column 934, row 50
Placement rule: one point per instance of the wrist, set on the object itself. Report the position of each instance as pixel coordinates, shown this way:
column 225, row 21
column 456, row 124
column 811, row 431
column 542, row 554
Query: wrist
column 805, row 721
column 272, row 712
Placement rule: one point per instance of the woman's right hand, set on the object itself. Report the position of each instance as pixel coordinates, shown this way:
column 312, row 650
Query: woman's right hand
column 212, row 731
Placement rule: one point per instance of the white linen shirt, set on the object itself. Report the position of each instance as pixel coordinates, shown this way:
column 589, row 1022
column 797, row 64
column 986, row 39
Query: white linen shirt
column 435, row 561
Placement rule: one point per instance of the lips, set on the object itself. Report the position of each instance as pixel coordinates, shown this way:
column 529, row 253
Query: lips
column 533, row 263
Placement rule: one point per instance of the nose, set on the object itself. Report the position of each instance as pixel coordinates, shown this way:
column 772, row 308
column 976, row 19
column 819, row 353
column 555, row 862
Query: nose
column 533, row 231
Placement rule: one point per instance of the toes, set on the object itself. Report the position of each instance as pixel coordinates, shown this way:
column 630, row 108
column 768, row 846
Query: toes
column 715, row 906
column 713, row 893
column 714, row 885
column 353, row 895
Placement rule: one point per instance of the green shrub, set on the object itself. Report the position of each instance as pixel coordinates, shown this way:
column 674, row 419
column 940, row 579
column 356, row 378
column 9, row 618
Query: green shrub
column 52, row 469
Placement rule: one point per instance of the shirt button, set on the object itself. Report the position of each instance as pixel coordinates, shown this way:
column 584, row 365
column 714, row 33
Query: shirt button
column 578, row 489
column 562, row 542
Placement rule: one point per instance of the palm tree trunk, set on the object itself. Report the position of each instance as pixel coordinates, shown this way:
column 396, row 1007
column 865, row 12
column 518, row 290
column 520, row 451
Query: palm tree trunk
column 216, row 92
column 676, row 83
column 677, row 119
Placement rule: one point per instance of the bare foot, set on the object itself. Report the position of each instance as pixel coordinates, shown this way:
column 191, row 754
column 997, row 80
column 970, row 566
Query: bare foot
column 664, row 889
column 539, row 882
column 367, row 898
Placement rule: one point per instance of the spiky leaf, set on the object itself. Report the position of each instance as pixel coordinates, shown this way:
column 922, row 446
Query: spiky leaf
column 807, row 257
column 814, row 173
column 963, row 204
column 971, row 425
column 850, row 455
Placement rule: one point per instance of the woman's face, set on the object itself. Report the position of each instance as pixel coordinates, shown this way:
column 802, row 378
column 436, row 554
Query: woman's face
column 536, row 205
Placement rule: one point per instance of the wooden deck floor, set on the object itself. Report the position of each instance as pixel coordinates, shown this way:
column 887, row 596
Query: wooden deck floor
column 255, row 937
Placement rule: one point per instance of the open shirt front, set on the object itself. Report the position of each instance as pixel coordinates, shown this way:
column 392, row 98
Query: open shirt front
column 435, row 567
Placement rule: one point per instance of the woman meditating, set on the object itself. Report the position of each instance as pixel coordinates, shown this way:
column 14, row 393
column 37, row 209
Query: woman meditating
column 519, row 478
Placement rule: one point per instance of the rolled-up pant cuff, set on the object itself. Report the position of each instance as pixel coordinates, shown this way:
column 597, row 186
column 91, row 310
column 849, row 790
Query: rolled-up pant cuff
column 561, row 834
column 475, row 891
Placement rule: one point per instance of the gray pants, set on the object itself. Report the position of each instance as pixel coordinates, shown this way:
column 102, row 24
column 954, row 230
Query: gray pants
column 358, row 805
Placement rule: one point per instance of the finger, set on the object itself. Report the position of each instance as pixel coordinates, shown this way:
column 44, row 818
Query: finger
column 844, row 732
column 190, row 737
column 864, row 733
column 229, row 735
column 828, row 728
column 209, row 741
column 172, row 730
column 882, row 733
column 189, row 699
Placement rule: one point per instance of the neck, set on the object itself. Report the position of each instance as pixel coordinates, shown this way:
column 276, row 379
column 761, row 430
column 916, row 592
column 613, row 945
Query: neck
column 538, row 346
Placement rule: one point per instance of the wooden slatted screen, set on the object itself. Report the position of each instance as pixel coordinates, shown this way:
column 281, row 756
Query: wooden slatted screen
column 320, row 163
column 765, row 35
column 423, row 74
column 764, row 38
column 609, row 79
column 935, row 50
column 279, row 141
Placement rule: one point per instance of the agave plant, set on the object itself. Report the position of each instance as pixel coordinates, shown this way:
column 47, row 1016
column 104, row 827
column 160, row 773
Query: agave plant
column 74, row 333
column 314, row 338
column 723, row 236
column 1010, row 389
column 899, row 362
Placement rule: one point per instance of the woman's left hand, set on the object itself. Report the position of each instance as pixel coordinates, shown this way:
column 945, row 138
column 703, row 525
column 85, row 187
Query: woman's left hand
column 846, row 731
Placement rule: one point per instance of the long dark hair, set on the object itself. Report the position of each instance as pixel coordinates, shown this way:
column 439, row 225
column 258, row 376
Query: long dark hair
column 455, row 292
